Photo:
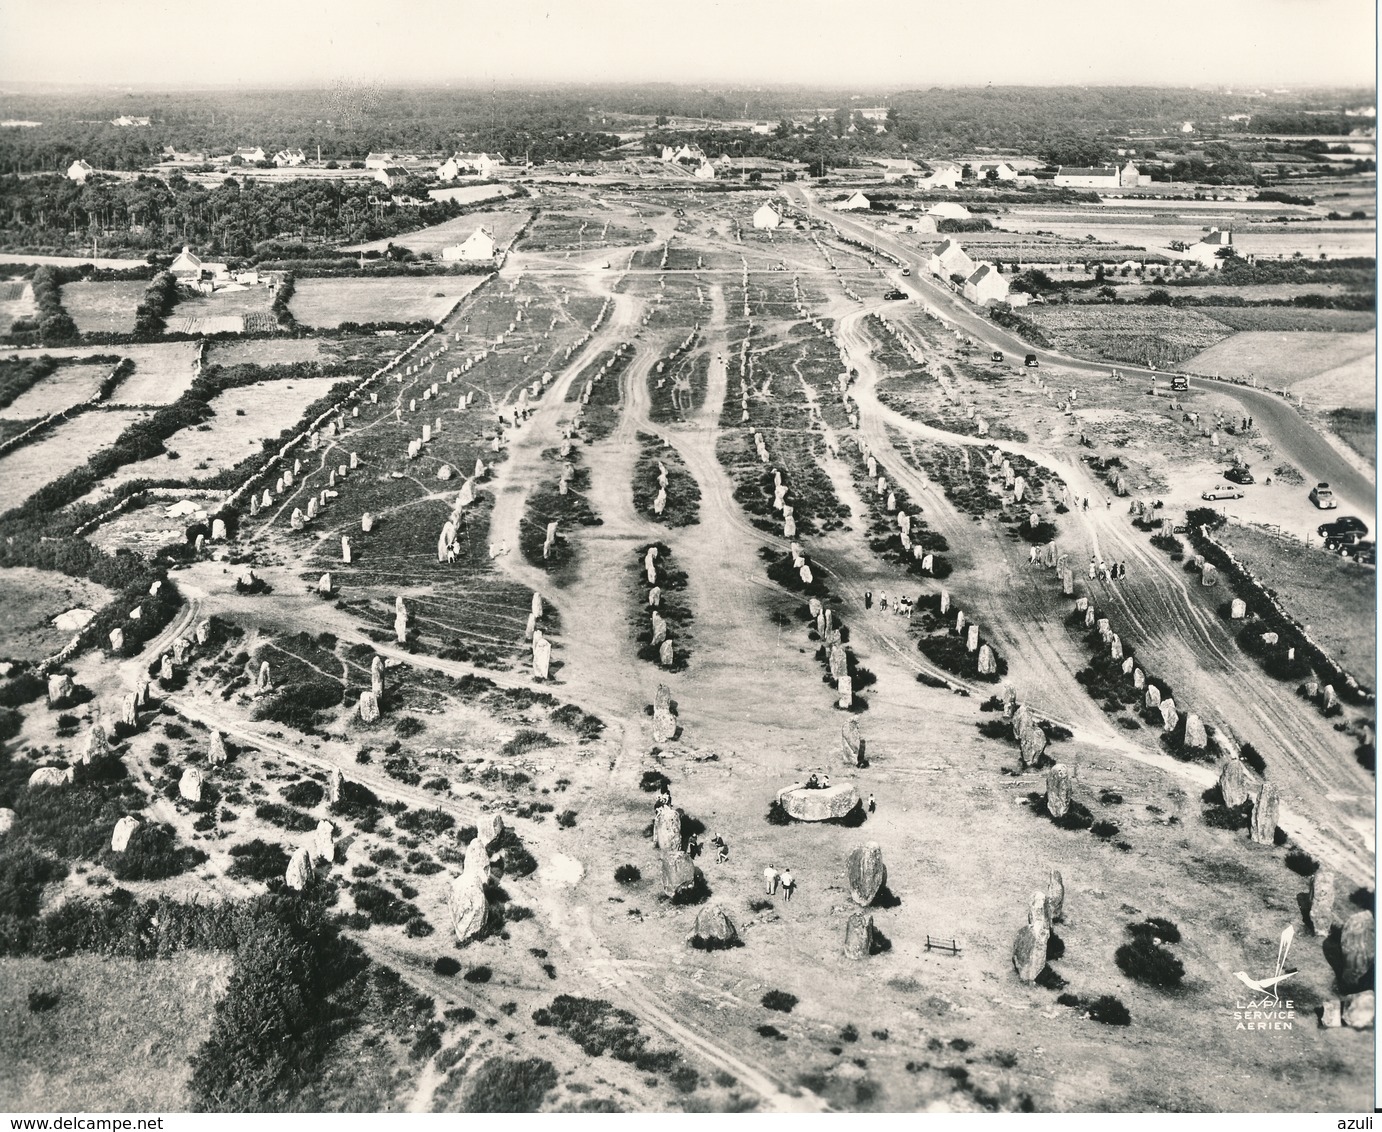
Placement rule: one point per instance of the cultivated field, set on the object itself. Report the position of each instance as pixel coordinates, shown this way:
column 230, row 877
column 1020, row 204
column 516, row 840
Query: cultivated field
column 103, row 308
column 228, row 309
column 66, row 386
column 24, row 470
column 1328, row 370
column 16, row 301
column 263, row 351
column 1160, row 336
column 330, row 302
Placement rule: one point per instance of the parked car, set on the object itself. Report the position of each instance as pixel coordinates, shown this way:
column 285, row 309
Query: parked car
column 896, row 294
column 1180, row 384
column 1343, row 526
column 906, row 271
column 1347, row 538
column 1323, row 498
column 1030, row 361
column 996, row 356
column 1221, row 492
column 1240, row 475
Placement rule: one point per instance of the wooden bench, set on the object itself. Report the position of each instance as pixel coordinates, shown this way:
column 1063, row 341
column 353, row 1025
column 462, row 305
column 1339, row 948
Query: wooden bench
column 948, row 945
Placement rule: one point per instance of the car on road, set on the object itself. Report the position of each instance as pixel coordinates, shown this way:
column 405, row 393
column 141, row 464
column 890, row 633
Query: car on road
column 996, row 356
column 1180, row 384
column 896, row 294
column 906, row 271
column 1030, row 361
column 1240, row 475
column 1347, row 539
column 1221, row 492
column 1323, row 498
column 1347, row 525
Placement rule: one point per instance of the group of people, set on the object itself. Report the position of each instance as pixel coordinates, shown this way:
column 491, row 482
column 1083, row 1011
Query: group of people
column 772, row 878
column 693, row 843
column 818, row 781
column 1109, row 571
column 902, row 606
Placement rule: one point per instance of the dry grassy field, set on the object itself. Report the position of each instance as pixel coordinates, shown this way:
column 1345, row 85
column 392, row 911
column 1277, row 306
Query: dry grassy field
column 330, row 302
column 103, row 308
column 154, row 1013
column 32, row 599
column 16, row 301
column 26, row 469
column 502, row 225
column 1137, row 335
column 1329, row 369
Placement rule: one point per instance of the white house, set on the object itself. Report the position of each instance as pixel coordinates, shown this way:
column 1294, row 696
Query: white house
column 668, row 153
column 79, row 171
column 950, row 259
column 1206, row 251
column 724, row 162
column 948, row 210
column 689, row 153
column 944, row 175
column 478, row 245
column 379, row 160
column 469, row 164
column 289, row 157
column 857, row 203
column 1087, row 177
column 250, row 154
column 391, row 176
column 767, row 217
column 986, row 285
column 705, row 171
column 187, row 267
column 129, row 120
column 1001, row 171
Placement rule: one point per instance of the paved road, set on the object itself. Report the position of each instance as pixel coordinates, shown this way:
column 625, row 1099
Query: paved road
column 1292, row 435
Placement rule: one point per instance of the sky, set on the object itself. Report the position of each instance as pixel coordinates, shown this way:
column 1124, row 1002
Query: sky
column 883, row 44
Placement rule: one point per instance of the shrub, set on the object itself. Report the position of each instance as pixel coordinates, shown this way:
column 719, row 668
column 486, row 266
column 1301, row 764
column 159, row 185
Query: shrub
column 780, row 1000
column 1149, row 963
column 305, row 793
column 258, row 860
column 628, row 874
column 153, row 853
column 1110, row 1011
column 508, row 1085
column 480, row 974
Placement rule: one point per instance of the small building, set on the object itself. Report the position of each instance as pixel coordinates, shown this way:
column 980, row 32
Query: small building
column 986, row 285
column 1206, row 251
column 479, row 245
column 129, row 120
column 705, row 171
column 857, row 203
column 1087, row 177
column 668, row 153
column 949, row 210
column 186, row 267
column 950, row 259
column 689, row 153
column 391, row 175
column 470, row 165
column 250, row 154
column 79, row 171
column 767, row 217
column 1129, row 177
column 379, row 160
column 290, row 158
column 1002, row 171
column 944, row 175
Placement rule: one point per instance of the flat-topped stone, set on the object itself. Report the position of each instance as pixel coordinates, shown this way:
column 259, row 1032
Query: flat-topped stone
column 835, row 801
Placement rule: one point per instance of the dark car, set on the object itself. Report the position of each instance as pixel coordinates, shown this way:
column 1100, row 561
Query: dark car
column 896, row 294
column 996, row 356
column 1031, row 361
column 1240, row 475
column 1347, row 525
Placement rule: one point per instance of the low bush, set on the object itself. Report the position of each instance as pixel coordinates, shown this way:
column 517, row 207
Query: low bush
column 780, row 1000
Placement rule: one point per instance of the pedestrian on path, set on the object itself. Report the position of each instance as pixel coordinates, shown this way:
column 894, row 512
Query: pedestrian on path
column 789, row 884
column 770, row 879
column 872, row 804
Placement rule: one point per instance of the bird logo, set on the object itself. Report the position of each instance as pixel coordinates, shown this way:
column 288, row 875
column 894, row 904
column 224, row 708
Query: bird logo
column 1267, row 986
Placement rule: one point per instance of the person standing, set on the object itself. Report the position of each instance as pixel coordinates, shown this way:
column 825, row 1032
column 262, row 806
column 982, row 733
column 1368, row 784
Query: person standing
column 789, row 884
column 873, row 806
column 770, row 880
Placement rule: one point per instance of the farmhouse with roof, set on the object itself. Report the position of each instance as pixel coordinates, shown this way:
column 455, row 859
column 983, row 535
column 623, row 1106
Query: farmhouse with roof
column 948, row 210
column 857, row 203
column 250, row 154
column 986, row 285
column 289, row 158
column 767, row 217
column 705, row 171
column 1206, row 251
column 950, row 259
column 479, row 245
column 79, row 171
column 1101, row 177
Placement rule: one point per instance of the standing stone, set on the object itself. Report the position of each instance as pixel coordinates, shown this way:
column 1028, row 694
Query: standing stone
column 960, row 622
column 866, row 872
column 859, row 936
column 815, row 607
column 536, row 608
column 203, row 631
column 714, row 926
column 96, row 746
column 1264, row 814
column 117, row 640
column 1331, row 1016
column 1357, row 945
column 945, row 602
column 678, row 873
column 296, row 521
column 345, row 549
column 51, row 776
column 1169, row 716
column 852, row 743
column 300, row 873
column 1238, row 609
column 1233, row 783
column 1055, row 895
column 1195, row 737
column 129, row 710
column 667, row 828
column 987, row 665
column 659, row 629
column 1031, row 739
column 335, row 785
column 376, row 676
column 1058, row 788
column 1359, row 1010
column 125, row 828
column 1067, row 582
column 655, row 597
column 324, row 841
column 190, row 785
column 542, row 655
column 367, row 522
column 368, row 707
column 664, row 717
column 972, row 639
column 1153, row 696
column 59, row 689
column 667, row 654
column 845, row 687
column 1115, row 648
column 265, row 680
column 1029, row 949
column 216, row 749
column 165, row 668
column 838, row 660
column 324, row 585
column 1321, row 900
